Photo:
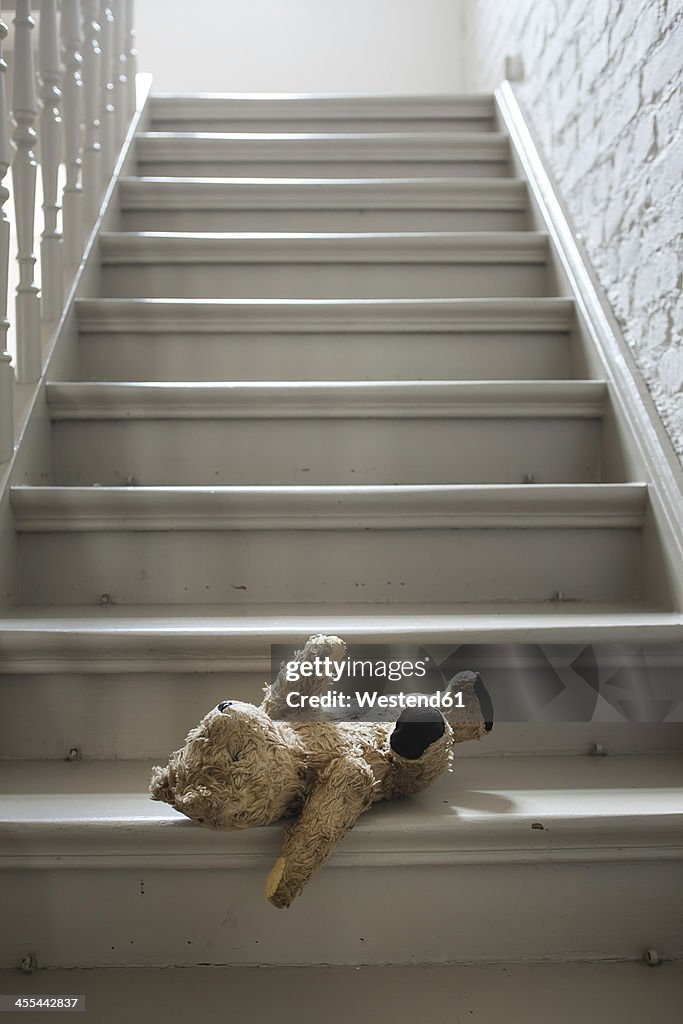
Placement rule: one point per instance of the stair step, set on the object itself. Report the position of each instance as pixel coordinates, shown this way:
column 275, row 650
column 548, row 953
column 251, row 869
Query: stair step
column 329, row 155
column 316, row 316
column 625, row 992
column 365, row 433
column 424, row 507
column 315, row 113
column 326, row 204
column 575, row 798
column 331, row 544
column 322, row 399
column 196, row 638
column 609, row 826
column 323, row 265
column 88, row 670
column 233, row 339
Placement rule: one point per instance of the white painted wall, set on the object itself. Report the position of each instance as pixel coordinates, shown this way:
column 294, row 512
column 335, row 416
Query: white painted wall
column 604, row 89
column 356, row 46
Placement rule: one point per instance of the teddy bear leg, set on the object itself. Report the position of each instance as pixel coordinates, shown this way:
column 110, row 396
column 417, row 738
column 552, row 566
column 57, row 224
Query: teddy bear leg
column 421, row 751
column 415, row 730
column 471, row 716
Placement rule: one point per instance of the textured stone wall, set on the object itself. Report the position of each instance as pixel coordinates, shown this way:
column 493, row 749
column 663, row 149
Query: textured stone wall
column 603, row 87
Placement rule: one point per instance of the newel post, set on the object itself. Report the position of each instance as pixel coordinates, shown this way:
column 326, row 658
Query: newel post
column 6, row 371
column 72, row 89
column 92, row 79
column 29, row 353
column 50, row 151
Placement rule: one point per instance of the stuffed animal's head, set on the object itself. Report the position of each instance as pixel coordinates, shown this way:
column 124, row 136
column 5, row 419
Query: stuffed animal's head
column 237, row 769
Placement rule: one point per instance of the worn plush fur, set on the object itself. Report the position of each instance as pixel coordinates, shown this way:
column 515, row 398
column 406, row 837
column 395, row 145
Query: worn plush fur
column 242, row 767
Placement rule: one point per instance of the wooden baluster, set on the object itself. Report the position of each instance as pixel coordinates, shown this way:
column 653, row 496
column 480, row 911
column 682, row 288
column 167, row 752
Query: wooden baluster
column 132, row 55
column 92, row 79
column 50, row 150
column 6, row 371
column 107, row 95
column 72, row 89
column 120, row 68
column 29, row 352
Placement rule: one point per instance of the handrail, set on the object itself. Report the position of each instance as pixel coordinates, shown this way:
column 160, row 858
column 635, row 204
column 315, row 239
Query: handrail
column 85, row 81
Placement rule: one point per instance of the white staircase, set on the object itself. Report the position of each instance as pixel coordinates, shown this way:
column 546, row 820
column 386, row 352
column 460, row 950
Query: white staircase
column 327, row 374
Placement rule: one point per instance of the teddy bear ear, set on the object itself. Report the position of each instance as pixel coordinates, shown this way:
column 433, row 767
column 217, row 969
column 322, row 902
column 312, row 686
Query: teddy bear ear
column 160, row 785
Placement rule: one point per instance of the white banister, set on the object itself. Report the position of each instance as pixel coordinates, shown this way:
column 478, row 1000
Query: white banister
column 72, row 88
column 120, row 70
column 50, row 150
column 131, row 55
column 6, row 371
column 81, row 98
column 107, row 102
column 29, row 352
column 92, row 81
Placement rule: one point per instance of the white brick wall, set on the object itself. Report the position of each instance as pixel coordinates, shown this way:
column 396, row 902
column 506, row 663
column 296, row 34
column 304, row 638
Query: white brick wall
column 603, row 86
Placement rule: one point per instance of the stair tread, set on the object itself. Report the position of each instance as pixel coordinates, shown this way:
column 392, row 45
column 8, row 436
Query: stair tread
column 323, row 193
column 98, row 811
column 330, row 100
column 308, row 147
column 355, row 183
column 201, row 619
column 625, row 991
column 424, row 398
column 198, row 637
column 45, row 508
column 324, row 246
column 312, row 315
column 489, row 140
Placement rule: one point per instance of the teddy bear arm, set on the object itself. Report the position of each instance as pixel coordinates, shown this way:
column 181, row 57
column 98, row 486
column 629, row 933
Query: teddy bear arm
column 342, row 791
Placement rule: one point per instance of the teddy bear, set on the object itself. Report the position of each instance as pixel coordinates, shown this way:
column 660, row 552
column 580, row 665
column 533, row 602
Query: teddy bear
column 245, row 766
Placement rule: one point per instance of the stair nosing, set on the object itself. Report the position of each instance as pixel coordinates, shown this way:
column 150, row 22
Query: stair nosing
column 118, row 638
column 156, row 192
column 132, row 400
column 47, row 509
column 164, row 247
column 320, row 315
column 451, row 106
column 419, row 139
column 60, row 830
column 322, row 147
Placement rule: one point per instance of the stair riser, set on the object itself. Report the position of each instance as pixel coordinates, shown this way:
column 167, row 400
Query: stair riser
column 225, row 167
column 148, row 714
column 250, row 567
column 323, row 281
column 327, row 451
column 322, row 220
column 108, row 715
column 142, row 916
column 164, row 356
